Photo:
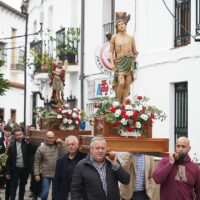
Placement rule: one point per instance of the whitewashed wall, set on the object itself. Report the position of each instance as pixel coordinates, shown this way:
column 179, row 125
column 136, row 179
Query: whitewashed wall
column 14, row 97
column 160, row 65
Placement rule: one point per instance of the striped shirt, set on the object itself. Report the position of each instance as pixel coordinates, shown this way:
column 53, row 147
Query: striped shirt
column 139, row 172
column 102, row 172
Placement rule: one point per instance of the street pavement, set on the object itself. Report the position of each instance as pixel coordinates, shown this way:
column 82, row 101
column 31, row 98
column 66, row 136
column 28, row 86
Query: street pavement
column 27, row 193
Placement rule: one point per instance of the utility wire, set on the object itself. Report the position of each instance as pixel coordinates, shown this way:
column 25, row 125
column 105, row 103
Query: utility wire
column 177, row 19
column 22, row 46
column 18, row 36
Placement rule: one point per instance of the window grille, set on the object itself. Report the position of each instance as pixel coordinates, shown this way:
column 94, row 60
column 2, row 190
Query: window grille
column 181, row 110
column 108, row 28
column 3, row 55
column 198, row 17
column 182, row 22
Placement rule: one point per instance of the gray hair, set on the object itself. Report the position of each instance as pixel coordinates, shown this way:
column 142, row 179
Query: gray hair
column 71, row 138
column 97, row 138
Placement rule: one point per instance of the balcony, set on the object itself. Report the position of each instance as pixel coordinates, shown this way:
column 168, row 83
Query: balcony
column 108, row 28
column 67, row 44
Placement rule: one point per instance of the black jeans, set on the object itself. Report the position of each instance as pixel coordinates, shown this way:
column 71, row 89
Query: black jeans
column 7, row 190
column 18, row 176
column 141, row 195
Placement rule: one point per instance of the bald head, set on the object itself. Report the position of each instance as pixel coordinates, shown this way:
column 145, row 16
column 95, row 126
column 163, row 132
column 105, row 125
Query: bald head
column 50, row 137
column 183, row 145
column 50, row 134
column 184, row 140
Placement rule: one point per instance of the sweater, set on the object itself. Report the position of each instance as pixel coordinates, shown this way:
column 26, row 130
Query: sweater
column 178, row 181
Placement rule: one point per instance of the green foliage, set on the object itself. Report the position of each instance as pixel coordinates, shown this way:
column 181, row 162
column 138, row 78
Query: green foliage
column 4, row 83
column 102, row 105
column 68, row 47
column 40, row 59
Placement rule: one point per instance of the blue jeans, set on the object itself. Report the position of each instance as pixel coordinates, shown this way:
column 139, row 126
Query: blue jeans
column 46, row 182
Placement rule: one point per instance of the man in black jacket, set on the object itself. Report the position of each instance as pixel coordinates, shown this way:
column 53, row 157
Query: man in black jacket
column 65, row 167
column 18, row 163
column 96, row 177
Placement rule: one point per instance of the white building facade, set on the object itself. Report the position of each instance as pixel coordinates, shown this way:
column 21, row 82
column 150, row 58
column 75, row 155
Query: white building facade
column 12, row 24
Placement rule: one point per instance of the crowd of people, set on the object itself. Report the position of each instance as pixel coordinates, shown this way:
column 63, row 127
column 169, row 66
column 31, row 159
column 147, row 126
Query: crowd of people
column 98, row 175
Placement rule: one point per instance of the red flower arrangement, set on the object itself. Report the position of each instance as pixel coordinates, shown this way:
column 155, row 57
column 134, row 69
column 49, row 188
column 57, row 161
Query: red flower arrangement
column 134, row 116
column 68, row 118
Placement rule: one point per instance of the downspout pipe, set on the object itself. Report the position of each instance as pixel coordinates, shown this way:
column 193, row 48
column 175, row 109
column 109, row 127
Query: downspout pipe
column 82, row 75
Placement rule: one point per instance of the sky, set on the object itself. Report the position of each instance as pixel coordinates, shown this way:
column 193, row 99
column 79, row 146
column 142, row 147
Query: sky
column 14, row 3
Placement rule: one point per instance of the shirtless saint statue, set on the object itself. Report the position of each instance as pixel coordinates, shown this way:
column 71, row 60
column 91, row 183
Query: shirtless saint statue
column 123, row 54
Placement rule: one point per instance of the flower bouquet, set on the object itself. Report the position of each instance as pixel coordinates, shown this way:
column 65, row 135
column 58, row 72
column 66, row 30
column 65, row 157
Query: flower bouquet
column 68, row 118
column 134, row 117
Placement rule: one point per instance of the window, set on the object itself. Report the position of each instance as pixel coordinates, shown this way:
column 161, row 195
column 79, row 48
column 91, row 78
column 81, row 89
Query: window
column 198, row 17
column 36, row 46
column 108, row 27
column 60, row 44
column 67, row 44
column 181, row 110
column 13, row 114
column 182, row 22
column 20, row 60
column 13, row 49
column 3, row 54
column 1, row 114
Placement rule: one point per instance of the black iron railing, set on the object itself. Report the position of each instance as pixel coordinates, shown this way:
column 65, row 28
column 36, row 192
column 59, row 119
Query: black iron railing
column 108, row 28
column 67, row 44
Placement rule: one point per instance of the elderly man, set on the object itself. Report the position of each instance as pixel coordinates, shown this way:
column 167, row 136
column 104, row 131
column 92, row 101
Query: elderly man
column 178, row 175
column 45, row 158
column 96, row 177
column 65, row 167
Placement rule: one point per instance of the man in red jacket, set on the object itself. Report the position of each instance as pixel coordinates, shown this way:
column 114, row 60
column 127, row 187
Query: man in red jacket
column 178, row 175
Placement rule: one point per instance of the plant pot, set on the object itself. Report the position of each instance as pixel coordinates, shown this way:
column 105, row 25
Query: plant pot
column 70, row 58
column 102, row 127
column 44, row 68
